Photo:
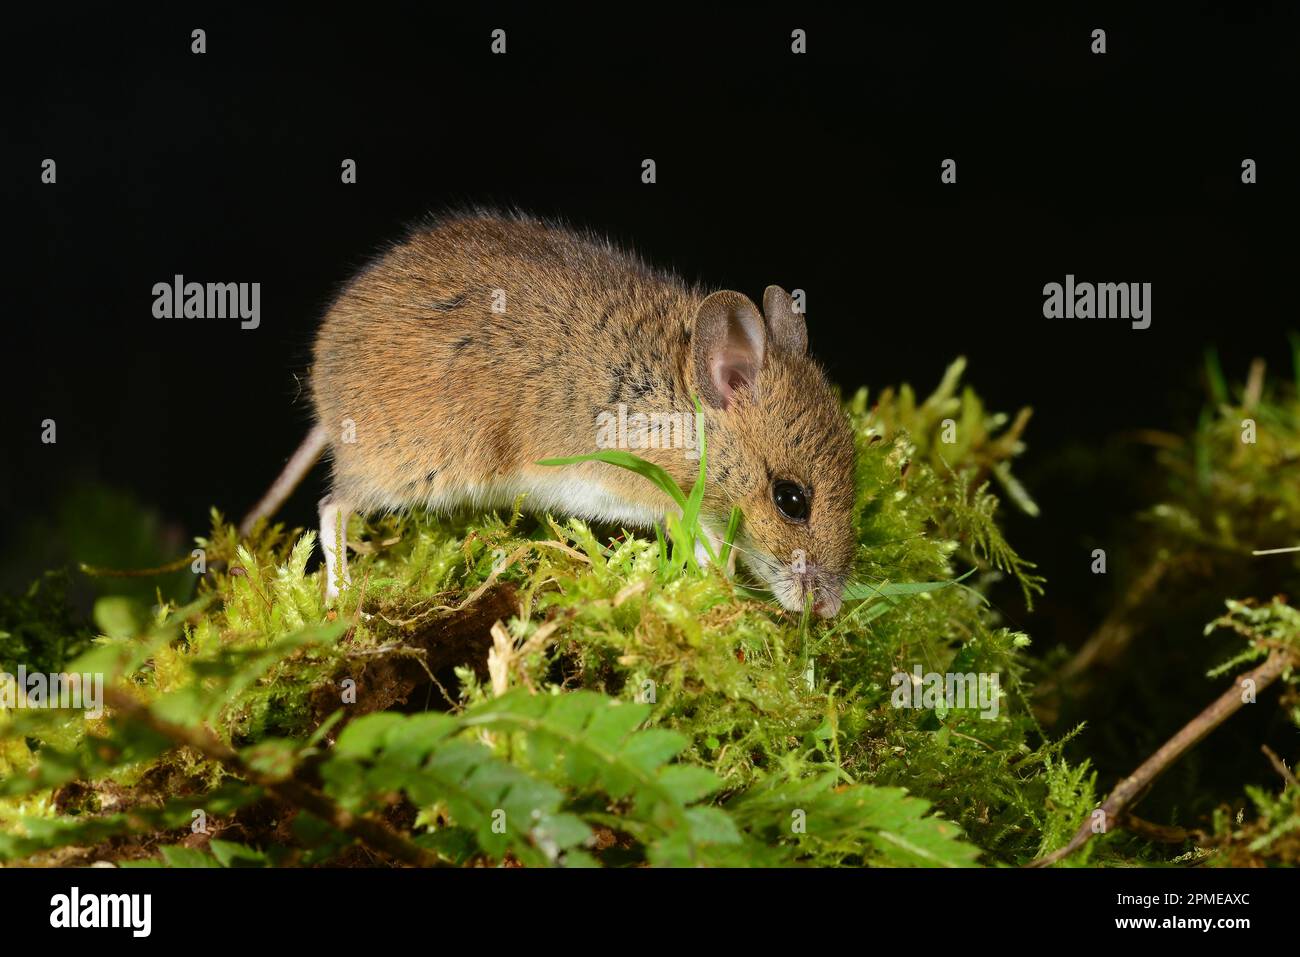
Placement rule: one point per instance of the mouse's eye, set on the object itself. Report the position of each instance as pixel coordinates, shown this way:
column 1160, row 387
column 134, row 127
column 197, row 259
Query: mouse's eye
column 791, row 500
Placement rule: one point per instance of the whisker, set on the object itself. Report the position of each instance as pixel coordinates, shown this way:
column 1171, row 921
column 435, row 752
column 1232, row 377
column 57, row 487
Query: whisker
column 760, row 558
column 767, row 560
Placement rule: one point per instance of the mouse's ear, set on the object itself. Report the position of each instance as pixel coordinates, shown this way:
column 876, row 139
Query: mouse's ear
column 728, row 345
column 786, row 329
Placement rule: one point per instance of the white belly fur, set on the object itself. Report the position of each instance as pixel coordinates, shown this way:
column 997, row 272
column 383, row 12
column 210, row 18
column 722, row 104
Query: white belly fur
column 558, row 494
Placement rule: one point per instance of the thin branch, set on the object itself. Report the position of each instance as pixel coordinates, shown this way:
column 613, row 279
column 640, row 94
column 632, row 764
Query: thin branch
column 96, row 571
column 1114, row 634
column 374, row 833
column 1223, row 707
column 1160, row 833
column 1279, row 766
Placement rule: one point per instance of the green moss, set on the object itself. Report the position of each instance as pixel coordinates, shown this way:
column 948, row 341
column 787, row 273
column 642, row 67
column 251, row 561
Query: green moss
column 645, row 710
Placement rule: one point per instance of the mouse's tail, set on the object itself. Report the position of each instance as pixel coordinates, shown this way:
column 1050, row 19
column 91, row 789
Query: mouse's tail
column 298, row 466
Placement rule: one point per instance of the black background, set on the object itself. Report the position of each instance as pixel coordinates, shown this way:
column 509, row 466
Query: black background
column 352, row 907
column 819, row 172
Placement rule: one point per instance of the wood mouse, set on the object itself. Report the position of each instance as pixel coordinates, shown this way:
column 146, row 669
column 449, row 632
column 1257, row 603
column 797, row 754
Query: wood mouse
column 483, row 343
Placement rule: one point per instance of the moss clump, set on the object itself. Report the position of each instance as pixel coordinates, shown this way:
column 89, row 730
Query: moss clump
column 502, row 689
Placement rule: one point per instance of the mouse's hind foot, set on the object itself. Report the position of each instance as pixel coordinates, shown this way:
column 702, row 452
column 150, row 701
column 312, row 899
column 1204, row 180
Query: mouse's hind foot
column 334, row 516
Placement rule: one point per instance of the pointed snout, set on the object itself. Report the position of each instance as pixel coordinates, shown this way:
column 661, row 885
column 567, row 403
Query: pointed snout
column 826, row 588
column 828, row 604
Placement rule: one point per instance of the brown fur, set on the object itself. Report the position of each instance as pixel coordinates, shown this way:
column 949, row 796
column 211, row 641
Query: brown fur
column 451, row 401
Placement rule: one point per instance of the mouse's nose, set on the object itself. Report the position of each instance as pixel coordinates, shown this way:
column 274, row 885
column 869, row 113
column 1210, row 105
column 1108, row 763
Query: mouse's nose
column 828, row 597
column 827, row 606
column 825, row 590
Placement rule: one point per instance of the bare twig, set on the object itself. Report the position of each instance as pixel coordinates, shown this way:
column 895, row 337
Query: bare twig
column 1279, row 766
column 1254, row 385
column 374, row 833
column 1114, row 634
column 1160, row 833
column 96, row 571
column 1227, row 704
column 1105, row 645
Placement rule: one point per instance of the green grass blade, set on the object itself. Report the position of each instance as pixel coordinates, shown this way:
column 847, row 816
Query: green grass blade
column 631, row 462
column 663, row 549
column 859, row 590
column 683, row 543
column 1294, row 338
column 691, row 512
column 1214, row 376
column 733, row 526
